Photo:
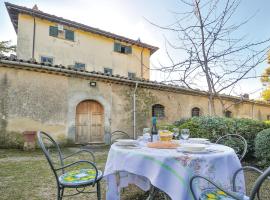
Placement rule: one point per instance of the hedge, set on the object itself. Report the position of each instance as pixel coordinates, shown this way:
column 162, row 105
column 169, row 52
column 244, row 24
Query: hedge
column 213, row 127
column 262, row 148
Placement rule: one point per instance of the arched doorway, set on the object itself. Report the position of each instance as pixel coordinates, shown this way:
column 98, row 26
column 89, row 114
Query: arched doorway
column 89, row 122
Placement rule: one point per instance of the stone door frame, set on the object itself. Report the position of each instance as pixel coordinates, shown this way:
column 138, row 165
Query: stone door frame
column 71, row 115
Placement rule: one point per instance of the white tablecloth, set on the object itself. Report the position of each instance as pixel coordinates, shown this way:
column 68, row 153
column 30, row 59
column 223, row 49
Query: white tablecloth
column 169, row 170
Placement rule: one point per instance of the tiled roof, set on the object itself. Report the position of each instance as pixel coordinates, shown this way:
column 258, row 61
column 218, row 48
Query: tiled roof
column 37, row 65
column 33, row 65
column 14, row 10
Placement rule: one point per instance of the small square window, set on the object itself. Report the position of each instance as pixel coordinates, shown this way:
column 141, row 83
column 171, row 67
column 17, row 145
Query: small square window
column 80, row 66
column 47, row 60
column 131, row 75
column 69, row 35
column 108, row 71
column 53, row 31
column 120, row 48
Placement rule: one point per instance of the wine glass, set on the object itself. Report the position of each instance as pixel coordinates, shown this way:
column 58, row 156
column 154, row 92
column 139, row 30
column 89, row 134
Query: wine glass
column 185, row 134
column 175, row 132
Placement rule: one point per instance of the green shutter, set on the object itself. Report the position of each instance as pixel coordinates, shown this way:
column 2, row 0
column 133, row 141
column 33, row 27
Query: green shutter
column 53, row 31
column 128, row 50
column 117, row 47
column 69, row 35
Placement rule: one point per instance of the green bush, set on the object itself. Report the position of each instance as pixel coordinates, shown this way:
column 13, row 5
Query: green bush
column 213, row 127
column 262, row 148
column 11, row 140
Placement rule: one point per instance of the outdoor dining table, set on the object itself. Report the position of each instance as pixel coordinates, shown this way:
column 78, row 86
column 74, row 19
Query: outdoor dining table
column 170, row 170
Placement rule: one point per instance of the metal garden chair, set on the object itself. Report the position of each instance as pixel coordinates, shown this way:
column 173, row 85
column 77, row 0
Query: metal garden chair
column 77, row 179
column 119, row 134
column 235, row 141
column 217, row 192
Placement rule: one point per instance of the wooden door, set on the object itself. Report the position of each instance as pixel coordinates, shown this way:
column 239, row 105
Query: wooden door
column 89, row 122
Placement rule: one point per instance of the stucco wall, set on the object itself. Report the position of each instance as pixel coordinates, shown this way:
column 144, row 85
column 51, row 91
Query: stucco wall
column 95, row 51
column 32, row 100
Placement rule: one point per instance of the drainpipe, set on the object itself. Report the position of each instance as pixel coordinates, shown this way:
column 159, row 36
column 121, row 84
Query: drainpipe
column 142, row 62
column 134, row 111
column 34, row 38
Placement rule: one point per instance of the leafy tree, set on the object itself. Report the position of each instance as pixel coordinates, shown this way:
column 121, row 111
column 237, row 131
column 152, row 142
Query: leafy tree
column 6, row 47
column 266, row 81
column 266, row 94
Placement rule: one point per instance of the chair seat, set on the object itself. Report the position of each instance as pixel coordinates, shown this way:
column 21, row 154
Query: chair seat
column 216, row 194
column 79, row 177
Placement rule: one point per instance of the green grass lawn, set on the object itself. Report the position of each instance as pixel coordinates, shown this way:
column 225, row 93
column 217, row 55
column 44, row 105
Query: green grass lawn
column 26, row 175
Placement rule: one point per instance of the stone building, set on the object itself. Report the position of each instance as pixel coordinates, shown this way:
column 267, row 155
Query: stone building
column 80, row 104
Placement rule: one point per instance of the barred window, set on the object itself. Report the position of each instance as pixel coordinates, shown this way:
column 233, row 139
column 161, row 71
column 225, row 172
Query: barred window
column 195, row 112
column 228, row 114
column 131, row 75
column 158, row 111
column 108, row 71
column 47, row 60
column 80, row 66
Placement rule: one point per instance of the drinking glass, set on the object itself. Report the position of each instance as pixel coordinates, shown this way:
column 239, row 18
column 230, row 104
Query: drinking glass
column 175, row 132
column 146, row 134
column 185, row 134
column 146, row 130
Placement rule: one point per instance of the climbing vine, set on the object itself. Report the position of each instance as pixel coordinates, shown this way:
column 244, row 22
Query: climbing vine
column 144, row 101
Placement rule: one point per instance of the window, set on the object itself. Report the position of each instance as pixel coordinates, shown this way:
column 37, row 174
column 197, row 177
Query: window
column 108, row 71
column 228, row 114
column 69, row 35
column 79, row 66
column 195, row 112
column 120, row 48
column 158, row 111
column 131, row 75
column 66, row 34
column 47, row 60
column 53, row 31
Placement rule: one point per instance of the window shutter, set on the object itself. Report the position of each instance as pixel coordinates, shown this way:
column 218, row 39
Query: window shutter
column 69, row 35
column 117, row 47
column 53, row 31
column 128, row 50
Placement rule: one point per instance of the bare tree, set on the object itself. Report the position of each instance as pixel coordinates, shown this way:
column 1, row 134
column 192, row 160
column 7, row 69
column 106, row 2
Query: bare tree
column 6, row 47
column 212, row 52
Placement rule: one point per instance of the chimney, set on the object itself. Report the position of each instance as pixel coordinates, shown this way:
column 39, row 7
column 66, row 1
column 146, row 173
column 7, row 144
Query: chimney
column 35, row 7
column 246, row 96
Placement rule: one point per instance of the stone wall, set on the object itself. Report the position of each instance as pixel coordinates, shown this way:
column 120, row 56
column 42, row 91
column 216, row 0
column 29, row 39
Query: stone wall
column 32, row 100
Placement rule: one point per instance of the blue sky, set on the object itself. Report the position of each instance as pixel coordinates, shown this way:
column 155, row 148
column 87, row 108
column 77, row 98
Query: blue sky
column 127, row 18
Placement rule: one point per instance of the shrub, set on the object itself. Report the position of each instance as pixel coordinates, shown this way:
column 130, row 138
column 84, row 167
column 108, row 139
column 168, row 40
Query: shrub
column 213, row 127
column 262, row 147
column 12, row 140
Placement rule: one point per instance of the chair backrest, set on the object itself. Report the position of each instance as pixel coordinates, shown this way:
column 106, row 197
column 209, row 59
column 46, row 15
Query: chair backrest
column 48, row 144
column 235, row 141
column 256, row 188
column 119, row 134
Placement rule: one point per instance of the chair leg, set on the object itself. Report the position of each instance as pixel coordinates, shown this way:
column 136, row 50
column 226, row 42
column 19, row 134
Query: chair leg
column 59, row 194
column 152, row 193
column 62, row 193
column 98, row 191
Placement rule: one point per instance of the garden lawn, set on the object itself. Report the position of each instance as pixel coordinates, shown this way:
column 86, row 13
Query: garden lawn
column 27, row 175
